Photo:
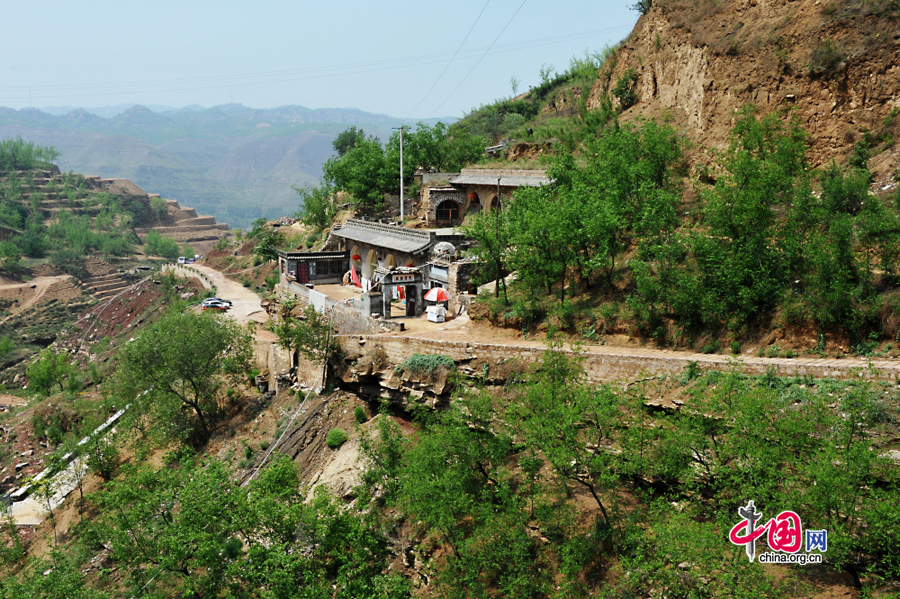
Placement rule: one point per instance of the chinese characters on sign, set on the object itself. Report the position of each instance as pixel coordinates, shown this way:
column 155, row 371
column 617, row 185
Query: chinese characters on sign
column 784, row 537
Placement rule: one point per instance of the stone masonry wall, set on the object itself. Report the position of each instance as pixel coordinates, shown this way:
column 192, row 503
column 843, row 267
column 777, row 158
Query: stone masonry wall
column 623, row 364
column 354, row 319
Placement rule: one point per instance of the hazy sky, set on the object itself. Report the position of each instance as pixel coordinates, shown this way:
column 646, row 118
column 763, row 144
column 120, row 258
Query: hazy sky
column 376, row 56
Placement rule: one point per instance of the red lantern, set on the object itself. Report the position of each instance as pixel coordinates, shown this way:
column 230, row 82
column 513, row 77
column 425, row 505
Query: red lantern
column 355, row 257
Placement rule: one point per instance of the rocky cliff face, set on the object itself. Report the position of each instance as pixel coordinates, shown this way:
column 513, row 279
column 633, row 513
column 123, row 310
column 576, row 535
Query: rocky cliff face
column 835, row 65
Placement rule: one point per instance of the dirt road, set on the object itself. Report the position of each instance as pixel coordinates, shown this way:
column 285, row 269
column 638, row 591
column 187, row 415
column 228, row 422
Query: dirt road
column 28, row 294
column 245, row 303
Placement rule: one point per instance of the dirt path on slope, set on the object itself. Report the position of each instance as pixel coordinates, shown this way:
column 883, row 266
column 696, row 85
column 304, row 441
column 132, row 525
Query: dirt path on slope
column 247, row 308
column 245, row 304
column 461, row 330
column 39, row 287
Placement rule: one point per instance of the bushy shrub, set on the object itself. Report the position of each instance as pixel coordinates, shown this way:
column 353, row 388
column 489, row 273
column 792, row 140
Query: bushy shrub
column 157, row 245
column 827, row 56
column 624, row 90
column 336, row 437
column 425, row 364
column 360, row 414
column 7, row 345
column 18, row 154
column 159, row 206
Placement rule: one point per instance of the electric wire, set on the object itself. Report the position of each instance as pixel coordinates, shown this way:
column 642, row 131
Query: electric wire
column 447, row 66
column 480, row 59
column 272, row 77
column 299, row 408
column 373, row 63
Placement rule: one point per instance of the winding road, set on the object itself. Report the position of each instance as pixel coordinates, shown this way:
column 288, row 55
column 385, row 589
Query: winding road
column 40, row 286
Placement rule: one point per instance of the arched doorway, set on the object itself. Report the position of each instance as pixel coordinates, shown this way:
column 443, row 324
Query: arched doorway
column 370, row 264
column 474, row 204
column 492, row 202
column 389, row 261
column 447, row 213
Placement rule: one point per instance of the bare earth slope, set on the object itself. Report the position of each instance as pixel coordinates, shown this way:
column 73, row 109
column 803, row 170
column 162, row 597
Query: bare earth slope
column 704, row 60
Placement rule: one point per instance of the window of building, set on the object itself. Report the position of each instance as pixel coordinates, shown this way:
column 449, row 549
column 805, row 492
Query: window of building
column 448, row 210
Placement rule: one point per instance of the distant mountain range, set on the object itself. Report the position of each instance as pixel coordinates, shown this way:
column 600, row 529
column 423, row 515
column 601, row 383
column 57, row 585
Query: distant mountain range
column 231, row 161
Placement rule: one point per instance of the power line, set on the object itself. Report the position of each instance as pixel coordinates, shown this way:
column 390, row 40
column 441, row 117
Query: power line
column 479, row 60
column 187, row 84
column 447, row 66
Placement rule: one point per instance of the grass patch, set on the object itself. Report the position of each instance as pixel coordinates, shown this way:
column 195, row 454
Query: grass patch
column 336, row 437
column 425, row 364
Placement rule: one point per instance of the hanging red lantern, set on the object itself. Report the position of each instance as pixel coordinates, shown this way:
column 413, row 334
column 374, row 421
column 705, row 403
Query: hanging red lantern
column 355, row 257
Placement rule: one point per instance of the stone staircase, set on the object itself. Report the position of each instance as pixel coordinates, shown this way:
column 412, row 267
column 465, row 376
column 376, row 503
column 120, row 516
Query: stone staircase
column 184, row 225
column 54, row 192
column 103, row 286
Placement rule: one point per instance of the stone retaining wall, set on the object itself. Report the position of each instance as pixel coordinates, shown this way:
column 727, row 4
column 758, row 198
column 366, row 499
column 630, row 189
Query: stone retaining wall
column 624, row 364
column 352, row 319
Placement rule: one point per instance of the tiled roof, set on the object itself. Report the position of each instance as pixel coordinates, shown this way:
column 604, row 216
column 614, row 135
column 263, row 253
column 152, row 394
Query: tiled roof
column 505, row 180
column 393, row 237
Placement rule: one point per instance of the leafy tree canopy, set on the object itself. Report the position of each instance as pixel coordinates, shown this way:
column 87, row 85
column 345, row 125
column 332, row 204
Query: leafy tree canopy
column 18, row 154
column 172, row 373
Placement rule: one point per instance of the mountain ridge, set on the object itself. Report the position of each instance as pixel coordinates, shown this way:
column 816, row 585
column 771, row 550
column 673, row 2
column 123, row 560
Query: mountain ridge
column 233, row 161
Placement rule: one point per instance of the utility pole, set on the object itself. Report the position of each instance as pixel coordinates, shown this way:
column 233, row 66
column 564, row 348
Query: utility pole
column 401, row 172
column 496, row 216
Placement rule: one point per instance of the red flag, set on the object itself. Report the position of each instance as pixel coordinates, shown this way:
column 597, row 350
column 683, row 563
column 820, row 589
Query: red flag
column 353, row 278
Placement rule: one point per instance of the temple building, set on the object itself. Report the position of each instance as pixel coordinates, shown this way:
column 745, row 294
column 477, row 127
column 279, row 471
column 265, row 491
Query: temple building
column 372, row 245
column 449, row 197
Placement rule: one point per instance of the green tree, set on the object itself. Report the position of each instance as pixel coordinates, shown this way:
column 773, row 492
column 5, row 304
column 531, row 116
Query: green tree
column 573, row 426
column 456, row 479
column 317, row 205
column 625, row 193
column 737, row 268
column 172, row 373
column 361, row 172
column 10, row 257
column 438, row 148
column 55, row 578
column 309, row 334
column 267, row 245
column 490, row 232
column 348, row 139
column 191, row 529
column 18, row 154
column 159, row 245
column 50, row 370
column 159, row 207
column 367, row 170
column 33, row 241
column 624, row 89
